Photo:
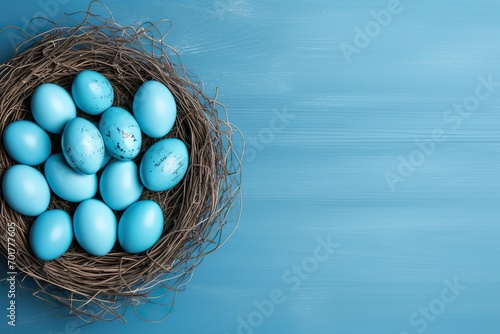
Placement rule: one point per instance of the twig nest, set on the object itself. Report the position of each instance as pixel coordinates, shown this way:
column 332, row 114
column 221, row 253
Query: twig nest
column 194, row 211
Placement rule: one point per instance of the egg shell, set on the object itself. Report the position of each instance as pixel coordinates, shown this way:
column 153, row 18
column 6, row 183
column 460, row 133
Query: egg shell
column 52, row 107
column 154, row 109
column 25, row 190
column 95, row 227
column 121, row 133
column 164, row 164
column 92, row 91
column 82, row 146
column 106, row 160
column 51, row 234
column 140, row 226
column 67, row 183
column 107, row 157
column 27, row 143
column 120, row 185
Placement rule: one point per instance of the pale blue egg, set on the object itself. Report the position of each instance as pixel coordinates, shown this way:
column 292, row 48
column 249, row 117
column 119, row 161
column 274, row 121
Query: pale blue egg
column 120, row 185
column 95, row 227
column 93, row 93
column 52, row 107
column 164, row 164
column 121, row 133
column 25, row 190
column 82, row 146
column 67, row 183
column 51, row 234
column 154, row 109
column 27, row 143
column 107, row 157
column 140, row 226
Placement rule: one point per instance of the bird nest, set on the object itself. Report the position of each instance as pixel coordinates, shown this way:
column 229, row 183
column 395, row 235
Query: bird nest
column 195, row 211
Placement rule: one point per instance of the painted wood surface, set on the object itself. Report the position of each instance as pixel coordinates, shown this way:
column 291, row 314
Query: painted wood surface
column 372, row 171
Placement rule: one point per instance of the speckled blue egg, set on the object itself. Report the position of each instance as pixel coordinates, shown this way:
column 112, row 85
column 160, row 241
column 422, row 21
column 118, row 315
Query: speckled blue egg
column 140, row 226
column 27, row 143
column 164, row 164
column 51, row 235
column 52, row 107
column 95, row 227
column 154, row 109
column 120, row 185
column 25, row 190
column 121, row 133
column 67, row 183
column 82, row 146
column 93, row 93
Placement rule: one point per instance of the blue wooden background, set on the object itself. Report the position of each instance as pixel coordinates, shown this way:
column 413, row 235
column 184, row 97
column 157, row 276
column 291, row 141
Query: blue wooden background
column 371, row 183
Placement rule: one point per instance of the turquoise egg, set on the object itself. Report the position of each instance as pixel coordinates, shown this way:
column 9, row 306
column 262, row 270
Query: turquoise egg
column 106, row 160
column 82, row 146
column 93, row 93
column 140, row 226
column 25, row 190
column 67, row 183
column 51, row 234
column 52, row 107
column 27, row 143
column 120, row 185
column 121, row 133
column 164, row 164
column 154, row 109
column 94, row 225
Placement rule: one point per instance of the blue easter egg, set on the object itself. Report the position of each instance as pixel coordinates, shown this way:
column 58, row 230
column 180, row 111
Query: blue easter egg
column 121, row 133
column 120, row 185
column 95, row 227
column 52, row 107
column 25, row 190
column 140, row 226
column 93, row 93
column 82, row 146
column 164, row 164
column 154, row 109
